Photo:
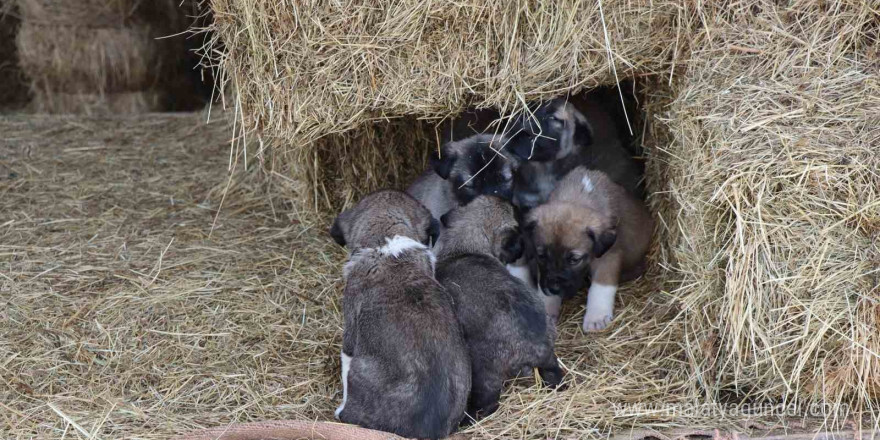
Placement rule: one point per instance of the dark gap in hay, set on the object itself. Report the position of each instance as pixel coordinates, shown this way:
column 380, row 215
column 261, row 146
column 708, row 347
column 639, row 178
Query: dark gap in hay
column 13, row 92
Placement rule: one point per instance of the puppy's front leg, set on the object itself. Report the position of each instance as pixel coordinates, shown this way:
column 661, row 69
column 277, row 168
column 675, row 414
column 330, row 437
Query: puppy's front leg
column 600, row 297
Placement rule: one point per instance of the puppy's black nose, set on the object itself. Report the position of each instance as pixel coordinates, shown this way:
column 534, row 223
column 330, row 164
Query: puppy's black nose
column 554, row 287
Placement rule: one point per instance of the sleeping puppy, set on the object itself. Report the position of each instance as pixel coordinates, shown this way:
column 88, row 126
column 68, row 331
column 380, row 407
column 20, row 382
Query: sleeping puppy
column 405, row 365
column 466, row 168
column 592, row 227
column 503, row 320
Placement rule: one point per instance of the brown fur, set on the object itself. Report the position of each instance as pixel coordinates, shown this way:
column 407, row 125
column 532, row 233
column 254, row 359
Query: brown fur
column 603, row 233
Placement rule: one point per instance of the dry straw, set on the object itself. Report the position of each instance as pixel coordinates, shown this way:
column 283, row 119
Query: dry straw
column 774, row 187
column 96, row 13
column 96, row 103
column 761, row 137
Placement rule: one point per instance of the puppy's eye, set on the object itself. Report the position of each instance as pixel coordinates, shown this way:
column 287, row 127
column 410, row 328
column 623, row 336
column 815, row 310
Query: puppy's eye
column 575, row 259
column 554, row 120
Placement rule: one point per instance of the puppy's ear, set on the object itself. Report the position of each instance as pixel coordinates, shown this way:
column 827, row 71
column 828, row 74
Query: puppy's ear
column 443, row 165
column 602, row 241
column 446, row 218
column 337, row 231
column 434, row 231
column 583, row 133
column 529, row 226
column 512, row 248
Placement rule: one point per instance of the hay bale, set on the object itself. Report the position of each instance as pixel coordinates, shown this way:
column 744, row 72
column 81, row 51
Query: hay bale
column 300, row 79
column 84, row 50
column 97, row 104
column 69, row 59
column 95, row 13
column 773, row 213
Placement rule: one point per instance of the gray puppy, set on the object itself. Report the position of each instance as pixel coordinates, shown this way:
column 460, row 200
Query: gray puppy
column 465, row 169
column 504, row 322
column 405, row 366
column 384, row 214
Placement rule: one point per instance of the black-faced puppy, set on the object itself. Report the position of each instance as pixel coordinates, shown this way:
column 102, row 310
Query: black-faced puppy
column 593, row 227
column 405, row 365
column 465, row 169
column 504, row 323
column 384, row 214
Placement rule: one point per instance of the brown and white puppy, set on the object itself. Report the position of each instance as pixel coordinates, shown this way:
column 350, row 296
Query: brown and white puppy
column 390, row 213
column 504, row 323
column 466, row 168
column 592, row 227
column 405, row 365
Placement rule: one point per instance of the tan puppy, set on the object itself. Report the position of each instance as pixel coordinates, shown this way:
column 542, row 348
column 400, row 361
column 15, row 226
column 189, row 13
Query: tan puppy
column 590, row 227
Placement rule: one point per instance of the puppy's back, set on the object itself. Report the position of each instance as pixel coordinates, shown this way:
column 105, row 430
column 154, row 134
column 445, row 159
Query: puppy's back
column 496, row 309
column 410, row 364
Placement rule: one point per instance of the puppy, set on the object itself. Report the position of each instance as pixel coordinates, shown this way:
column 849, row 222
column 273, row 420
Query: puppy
column 504, row 323
column 561, row 137
column 466, row 168
column 390, row 213
column 405, row 365
column 555, row 130
column 592, row 227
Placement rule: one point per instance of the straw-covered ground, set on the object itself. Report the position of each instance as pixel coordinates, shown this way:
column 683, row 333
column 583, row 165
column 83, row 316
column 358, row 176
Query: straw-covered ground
column 146, row 291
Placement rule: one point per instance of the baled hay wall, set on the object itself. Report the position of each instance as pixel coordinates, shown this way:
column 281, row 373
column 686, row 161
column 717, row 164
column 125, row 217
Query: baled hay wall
column 774, row 182
column 103, row 13
column 72, row 59
column 97, row 104
column 306, row 70
column 105, row 56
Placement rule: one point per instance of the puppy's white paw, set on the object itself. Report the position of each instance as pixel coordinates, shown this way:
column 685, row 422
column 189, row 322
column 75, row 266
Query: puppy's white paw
column 597, row 323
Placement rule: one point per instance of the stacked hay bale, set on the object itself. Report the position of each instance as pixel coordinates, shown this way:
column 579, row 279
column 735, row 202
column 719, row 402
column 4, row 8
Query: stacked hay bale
column 97, row 56
column 775, row 196
column 761, row 144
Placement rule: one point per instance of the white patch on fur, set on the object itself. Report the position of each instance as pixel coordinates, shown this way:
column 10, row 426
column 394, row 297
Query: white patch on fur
column 398, row 245
column 588, row 184
column 600, row 307
column 520, row 272
column 433, row 258
column 553, row 304
column 346, row 366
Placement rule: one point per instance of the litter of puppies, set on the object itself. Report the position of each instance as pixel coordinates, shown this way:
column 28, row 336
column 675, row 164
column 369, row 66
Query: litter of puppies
column 438, row 316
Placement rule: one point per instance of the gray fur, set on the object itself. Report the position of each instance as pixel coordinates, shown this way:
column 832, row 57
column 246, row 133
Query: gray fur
column 504, row 323
column 409, row 371
column 433, row 191
column 380, row 215
column 465, row 169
